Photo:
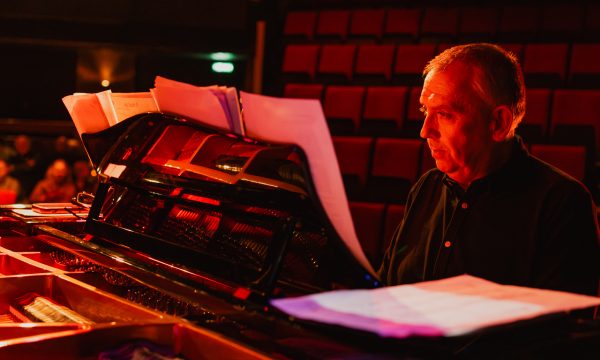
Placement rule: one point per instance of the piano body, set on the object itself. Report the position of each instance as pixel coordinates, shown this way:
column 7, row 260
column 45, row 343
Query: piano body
column 190, row 233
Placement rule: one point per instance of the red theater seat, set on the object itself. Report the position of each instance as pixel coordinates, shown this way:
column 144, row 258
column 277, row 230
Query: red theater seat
column 343, row 108
column 545, row 64
column 374, row 62
column 354, row 155
column 385, row 107
column 300, row 60
column 584, row 68
column 478, row 23
column 562, row 22
column 439, row 24
column 570, row 159
column 410, row 61
column 303, row 91
column 368, row 223
column 337, row 62
column 333, row 25
column 519, row 23
column 402, row 24
column 367, row 23
column 575, row 118
column 394, row 169
column 300, row 25
column 534, row 126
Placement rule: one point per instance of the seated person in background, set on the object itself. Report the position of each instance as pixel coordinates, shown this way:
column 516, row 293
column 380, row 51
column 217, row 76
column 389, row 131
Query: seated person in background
column 26, row 164
column 57, row 186
column 10, row 189
column 490, row 209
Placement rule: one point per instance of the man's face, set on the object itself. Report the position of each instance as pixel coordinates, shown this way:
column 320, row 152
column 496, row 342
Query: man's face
column 456, row 127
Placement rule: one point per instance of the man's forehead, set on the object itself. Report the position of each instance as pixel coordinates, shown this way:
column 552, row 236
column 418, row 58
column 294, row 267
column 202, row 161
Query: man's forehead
column 446, row 88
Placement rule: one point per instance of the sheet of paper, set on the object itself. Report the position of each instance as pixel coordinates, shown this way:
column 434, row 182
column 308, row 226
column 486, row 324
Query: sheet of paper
column 302, row 122
column 122, row 106
column 86, row 112
column 447, row 307
column 202, row 104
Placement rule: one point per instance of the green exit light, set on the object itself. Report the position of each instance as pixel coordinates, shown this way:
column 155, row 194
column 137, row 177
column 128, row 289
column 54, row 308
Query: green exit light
column 222, row 67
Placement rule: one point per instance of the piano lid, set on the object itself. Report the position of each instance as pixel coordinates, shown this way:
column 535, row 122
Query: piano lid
column 241, row 212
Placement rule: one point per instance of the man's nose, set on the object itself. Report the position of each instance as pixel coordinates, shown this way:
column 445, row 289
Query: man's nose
column 429, row 129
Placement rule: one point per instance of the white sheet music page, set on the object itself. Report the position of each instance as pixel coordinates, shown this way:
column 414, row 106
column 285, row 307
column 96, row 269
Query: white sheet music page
column 447, row 307
column 302, row 122
column 86, row 112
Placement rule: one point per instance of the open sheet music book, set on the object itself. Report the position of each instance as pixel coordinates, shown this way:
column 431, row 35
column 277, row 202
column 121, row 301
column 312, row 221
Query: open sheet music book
column 290, row 121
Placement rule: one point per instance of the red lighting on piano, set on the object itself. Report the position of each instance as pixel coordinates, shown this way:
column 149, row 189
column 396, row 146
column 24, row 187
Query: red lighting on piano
column 201, row 199
column 241, row 293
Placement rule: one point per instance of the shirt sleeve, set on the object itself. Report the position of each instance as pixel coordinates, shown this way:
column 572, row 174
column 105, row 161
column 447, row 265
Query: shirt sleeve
column 568, row 254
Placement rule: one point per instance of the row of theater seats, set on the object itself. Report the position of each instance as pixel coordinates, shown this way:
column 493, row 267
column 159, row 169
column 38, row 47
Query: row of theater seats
column 544, row 65
column 383, row 169
column 567, row 116
column 533, row 22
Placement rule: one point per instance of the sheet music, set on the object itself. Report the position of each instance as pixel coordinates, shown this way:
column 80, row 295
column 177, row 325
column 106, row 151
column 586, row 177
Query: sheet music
column 447, row 307
column 205, row 104
column 86, row 112
column 302, row 122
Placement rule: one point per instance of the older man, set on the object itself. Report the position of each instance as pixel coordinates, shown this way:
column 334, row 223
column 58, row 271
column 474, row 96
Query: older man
column 490, row 209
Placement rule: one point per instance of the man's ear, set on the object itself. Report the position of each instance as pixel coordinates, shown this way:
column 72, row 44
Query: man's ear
column 501, row 123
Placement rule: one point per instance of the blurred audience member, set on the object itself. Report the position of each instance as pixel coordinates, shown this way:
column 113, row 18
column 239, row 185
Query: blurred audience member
column 57, row 186
column 82, row 175
column 10, row 189
column 26, row 166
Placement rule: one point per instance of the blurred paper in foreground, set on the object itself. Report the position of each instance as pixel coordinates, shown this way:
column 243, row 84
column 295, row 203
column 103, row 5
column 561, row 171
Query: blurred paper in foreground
column 448, row 307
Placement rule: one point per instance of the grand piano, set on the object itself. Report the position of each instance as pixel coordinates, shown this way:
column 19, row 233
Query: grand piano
column 191, row 233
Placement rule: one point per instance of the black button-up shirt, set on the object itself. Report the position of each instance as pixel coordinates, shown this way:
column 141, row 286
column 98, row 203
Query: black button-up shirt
column 526, row 224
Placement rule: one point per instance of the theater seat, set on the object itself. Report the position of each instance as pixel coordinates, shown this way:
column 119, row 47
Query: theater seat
column 394, row 169
column 366, row 24
column 570, row 159
column 575, row 118
column 354, row 157
column 343, row 108
column 300, row 25
column 534, row 126
column 384, row 112
column 368, row 223
column 303, row 91
column 336, row 64
column 410, row 61
column 545, row 64
column 300, row 62
column 332, row 25
column 584, row 68
column 374, row 64
column 402, row 24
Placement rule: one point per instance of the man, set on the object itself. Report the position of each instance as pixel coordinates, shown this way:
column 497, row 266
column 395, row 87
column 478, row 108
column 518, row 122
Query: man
column 57, row 186
column 489, row 209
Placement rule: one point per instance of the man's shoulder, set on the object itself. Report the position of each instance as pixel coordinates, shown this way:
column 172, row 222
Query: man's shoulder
column 553, row 179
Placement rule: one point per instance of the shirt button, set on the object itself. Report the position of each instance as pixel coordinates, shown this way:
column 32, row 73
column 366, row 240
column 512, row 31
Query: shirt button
column 464, row 206
column 447, row 244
